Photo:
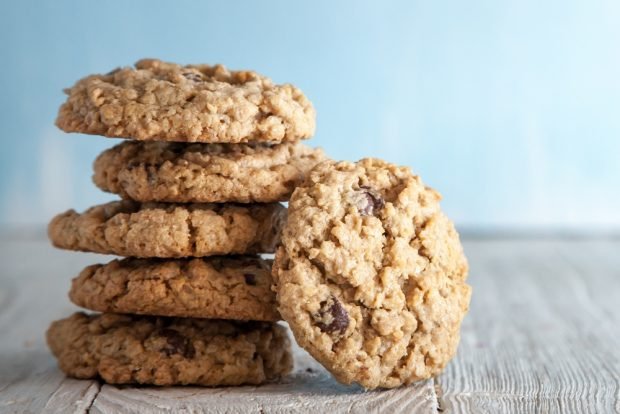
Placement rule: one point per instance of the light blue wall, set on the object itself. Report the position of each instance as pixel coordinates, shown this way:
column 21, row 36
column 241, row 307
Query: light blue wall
column 510, row 108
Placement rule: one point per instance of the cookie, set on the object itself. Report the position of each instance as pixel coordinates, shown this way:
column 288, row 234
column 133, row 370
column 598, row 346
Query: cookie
column 234, row 287
column 123, row 349
column 160, row 101
column 128, row 228
column 371, row 274
column 204, row 173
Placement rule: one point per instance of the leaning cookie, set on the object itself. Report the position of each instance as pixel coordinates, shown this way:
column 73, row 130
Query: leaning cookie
column 128, row 228
column 222, row 287
column 371, row 274
column 160, row 101
column 204, row 173
column 123, row 349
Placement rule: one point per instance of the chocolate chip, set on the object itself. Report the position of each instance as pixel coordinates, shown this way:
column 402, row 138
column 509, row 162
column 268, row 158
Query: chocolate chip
column 371, row 201
column 135, row 164
column 151, row 170
column 151, row 176
column 250, row 279
column 192, row 76
column 332, row 317
column 318, row 265
column 177, row 344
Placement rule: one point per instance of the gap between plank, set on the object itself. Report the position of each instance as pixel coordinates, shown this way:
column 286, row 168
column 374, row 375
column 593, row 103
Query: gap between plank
column 92, row 401
column 438, row 391
column 72, row 397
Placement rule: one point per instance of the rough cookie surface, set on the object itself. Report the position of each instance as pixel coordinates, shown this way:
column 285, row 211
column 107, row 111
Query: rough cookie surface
column 204, row 173
column 123, row 349
column 160, row 101
column 234, row 287
column 128, row 228
column 371, row 275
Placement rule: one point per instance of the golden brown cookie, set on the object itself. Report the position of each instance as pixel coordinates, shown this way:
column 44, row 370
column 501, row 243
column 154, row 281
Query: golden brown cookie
column 204, row 173
column 371, row 274
column 128, row 228
column 222, row 287
column 160, row 101
column 123, row 349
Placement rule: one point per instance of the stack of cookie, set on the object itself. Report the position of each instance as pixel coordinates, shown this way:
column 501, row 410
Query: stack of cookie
column 211, row 154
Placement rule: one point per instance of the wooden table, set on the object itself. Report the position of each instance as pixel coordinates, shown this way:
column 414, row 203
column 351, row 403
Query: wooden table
column 543, row 335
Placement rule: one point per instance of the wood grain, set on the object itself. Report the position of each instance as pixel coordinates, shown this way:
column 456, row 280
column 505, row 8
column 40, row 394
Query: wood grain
column 309, row 389
column 32, row 293
column 543, row 335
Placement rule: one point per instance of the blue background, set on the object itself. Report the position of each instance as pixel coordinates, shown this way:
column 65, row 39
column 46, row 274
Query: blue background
column 510, row 109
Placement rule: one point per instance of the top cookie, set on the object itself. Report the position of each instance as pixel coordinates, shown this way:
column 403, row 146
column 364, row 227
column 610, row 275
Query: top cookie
column 371, row 275
column 160, row 101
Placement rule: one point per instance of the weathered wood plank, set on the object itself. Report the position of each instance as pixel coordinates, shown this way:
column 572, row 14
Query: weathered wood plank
column 310, row 389
column 73, row 396
column 543, row 333
column 33, row 285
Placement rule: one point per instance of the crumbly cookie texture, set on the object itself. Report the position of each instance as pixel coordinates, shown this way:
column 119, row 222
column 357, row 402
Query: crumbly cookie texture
column 227, row 287
column 160, row 101
column 371, row 275
column 128, row 228
column 204, row 173
column 123, row 349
